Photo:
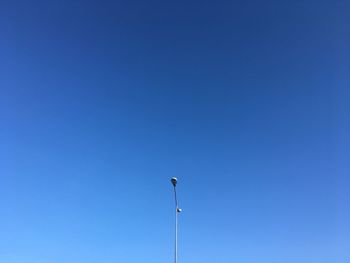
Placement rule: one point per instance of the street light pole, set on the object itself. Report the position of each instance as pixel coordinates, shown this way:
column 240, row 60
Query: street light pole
column 177, row 211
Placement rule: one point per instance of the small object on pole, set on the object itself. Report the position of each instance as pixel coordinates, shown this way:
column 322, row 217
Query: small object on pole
column 177, row 211
column 174, row 181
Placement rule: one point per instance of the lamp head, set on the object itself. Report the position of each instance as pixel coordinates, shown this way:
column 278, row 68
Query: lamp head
column 174, row 181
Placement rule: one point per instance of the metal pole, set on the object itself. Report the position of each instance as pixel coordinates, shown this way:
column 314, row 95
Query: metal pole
column 177, row 211
column 176, row 225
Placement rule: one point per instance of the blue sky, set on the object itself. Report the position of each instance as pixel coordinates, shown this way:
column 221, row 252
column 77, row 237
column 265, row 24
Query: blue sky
column 246, row 102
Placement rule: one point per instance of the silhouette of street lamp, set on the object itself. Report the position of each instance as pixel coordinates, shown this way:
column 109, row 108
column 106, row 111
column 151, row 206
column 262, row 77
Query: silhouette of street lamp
column 177, row 211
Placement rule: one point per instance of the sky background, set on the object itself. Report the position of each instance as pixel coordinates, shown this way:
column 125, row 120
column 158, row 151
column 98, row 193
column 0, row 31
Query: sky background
column 246, row 102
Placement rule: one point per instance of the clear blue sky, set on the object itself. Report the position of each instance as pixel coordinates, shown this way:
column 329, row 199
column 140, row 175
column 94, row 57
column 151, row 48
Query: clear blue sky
column 246, row 102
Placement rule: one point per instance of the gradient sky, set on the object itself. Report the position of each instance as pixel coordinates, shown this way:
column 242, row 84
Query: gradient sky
column 246, row 102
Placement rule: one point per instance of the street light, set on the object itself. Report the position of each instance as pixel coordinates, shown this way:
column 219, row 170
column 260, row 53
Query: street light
column 177, row 211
